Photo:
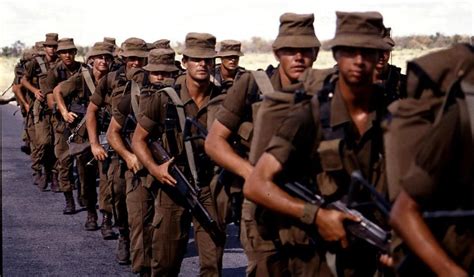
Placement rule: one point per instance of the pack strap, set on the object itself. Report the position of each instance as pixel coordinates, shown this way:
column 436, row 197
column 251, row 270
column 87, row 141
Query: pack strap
column 88, row 79
column 468, row 89
column 135, row 94
column 263, row 82
column 42, row 64
column 182, row 121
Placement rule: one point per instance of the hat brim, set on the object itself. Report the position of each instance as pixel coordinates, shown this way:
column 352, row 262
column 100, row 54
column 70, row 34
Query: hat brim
column 161, row 67
column 134, row 53
column 92, row 53
column 50, row 43
column 200, row 53
column 358, row 40
column 66, row 48
column 229, row 53
column 296, row 42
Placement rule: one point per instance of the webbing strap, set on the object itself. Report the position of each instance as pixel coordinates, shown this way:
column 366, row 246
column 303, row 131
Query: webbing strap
column 135, row 94
column 42, row 65
column 88, row 79
column 263, row 82
column 182, row 120
column 468, row 89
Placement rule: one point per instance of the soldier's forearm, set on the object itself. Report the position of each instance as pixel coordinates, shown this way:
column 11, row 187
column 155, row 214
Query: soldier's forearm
column 20, row 98
column 27, row 84
column 58, row 97
column 115, row 140
column 407, row 221
column 141, row 150
column 91, row 123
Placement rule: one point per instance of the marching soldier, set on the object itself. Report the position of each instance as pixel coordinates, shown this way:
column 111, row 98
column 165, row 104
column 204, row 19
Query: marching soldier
column 112, row 187
column 140, row 188
column 228, row 70
column 157, row 113
column 39, row 122
column 334, row 134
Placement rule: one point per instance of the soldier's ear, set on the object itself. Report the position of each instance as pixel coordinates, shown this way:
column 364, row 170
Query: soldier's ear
column 276, row 55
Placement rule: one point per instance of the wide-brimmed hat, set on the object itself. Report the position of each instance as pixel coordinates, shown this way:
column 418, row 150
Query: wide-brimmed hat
column 161, row 60
column 359, row 29
column 200, row 45
column 66, row 44
column 39, row 48
column 110, row 40
column 162, row 44
column 134, row 47
column 51, row 39
column 296, row 31
column 100, row 48
column 388, row 37
column 230, row 47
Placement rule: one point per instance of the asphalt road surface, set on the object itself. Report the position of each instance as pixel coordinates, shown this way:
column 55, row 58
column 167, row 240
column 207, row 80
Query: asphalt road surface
column 38, row 240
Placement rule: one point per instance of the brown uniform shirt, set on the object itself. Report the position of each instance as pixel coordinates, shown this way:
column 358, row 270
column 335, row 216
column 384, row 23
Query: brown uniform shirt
column 33, row 71
column 153, row 108
column 58, row 74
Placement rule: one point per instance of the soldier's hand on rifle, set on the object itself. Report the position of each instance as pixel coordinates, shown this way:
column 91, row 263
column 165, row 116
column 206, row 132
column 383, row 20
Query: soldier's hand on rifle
column 386, row 260
column 132, row 163
column 39, row 95
column 69, row 117
column 330, row 224
column 99, row 152
column 161, row 173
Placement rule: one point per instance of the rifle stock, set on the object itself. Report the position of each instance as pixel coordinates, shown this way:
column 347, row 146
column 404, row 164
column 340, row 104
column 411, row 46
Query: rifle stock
column 187, row 191
column 365, row 229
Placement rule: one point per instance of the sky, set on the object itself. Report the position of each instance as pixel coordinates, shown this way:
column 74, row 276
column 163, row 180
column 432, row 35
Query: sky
column 88, row 21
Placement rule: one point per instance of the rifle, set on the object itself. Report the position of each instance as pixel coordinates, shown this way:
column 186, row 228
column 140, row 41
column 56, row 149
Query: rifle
column 365, row 230
column 8, row 88
column 188, row 192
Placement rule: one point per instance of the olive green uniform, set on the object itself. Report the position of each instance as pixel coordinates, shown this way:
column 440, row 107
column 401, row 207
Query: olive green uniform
column 171, row 220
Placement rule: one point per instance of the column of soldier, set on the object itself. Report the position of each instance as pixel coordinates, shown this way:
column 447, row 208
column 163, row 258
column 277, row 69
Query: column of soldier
column 315, row 166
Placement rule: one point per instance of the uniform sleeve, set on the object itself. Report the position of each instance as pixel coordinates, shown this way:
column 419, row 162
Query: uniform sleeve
column 149, row 111
column 50, row 82
column 232, row 110
column 98, row 98
column 440, row 153
column 73, row 84
column 29, row 69
column 121, row 108
column 296, row 136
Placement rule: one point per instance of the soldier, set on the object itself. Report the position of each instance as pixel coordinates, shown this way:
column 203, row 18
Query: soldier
column 228, row 70
column 330, row 136
column 117, row 62
column 140, row 191
column 65, row 68
column 72, row 98
column 388, row 75
column 296, row 48
column 39, row 123
column 112, row 183
column 430, row 141
column 171, row 219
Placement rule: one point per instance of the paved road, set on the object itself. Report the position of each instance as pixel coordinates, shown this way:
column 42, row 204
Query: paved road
column 38, row 240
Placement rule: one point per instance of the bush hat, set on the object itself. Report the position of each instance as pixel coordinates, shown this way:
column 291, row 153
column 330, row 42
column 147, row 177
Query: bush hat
column 359, row 29
column 200, row 45
column 230, row 47
column 66, row 44
column 100, row 48
column 161, row 60
column 51, row 39
column 296, row 31
column 134, row 47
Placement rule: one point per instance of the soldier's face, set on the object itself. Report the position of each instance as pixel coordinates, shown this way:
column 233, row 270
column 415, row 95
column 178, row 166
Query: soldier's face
column 198, row 68
column 134, row 62
column 50, row 50
column 383, row 61
column 356, row 65
column 230, row 62
column 156, row 77
column 294, row 61
column 102, row 62
column 67, row 56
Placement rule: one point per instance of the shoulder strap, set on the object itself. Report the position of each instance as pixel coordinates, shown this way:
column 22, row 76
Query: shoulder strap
column 135, row 94
column 42, row 65
column 263, row 82
column 468, row 89
column 88, row 79
column 182, row 119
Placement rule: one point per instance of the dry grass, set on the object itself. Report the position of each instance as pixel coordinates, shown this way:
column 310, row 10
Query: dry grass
column 249, row 61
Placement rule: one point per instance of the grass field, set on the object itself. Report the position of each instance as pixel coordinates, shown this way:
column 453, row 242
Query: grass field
column 249, row 61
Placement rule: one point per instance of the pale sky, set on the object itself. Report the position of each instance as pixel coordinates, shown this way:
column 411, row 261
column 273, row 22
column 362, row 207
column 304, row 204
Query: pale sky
column 88, row 21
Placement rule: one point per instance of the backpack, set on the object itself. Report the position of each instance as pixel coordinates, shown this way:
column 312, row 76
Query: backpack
column 434, row 82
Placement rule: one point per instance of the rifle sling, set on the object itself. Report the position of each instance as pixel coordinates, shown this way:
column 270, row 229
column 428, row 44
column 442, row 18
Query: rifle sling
column 42, row 65
column 182, row 120
column 88, row 79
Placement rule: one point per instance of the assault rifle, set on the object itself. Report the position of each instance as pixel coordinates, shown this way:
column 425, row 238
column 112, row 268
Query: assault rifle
column 187, row 191
column 365, row 229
